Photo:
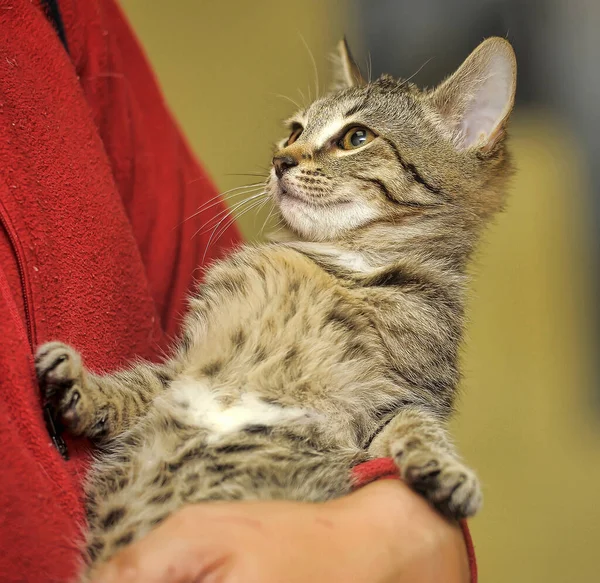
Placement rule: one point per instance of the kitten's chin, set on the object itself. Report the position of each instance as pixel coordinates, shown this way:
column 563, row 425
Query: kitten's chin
column 323, row 223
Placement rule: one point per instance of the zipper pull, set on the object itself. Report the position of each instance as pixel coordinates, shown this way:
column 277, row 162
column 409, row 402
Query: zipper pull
column 55, row 433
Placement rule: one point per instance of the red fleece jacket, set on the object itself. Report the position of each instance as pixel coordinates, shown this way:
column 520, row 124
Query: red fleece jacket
column 97, row 182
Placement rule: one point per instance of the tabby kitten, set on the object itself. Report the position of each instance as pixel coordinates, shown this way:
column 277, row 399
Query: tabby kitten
column 303, row 357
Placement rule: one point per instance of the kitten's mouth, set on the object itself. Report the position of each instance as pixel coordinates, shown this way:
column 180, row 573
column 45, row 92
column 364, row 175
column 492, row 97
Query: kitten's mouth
column 284, row 193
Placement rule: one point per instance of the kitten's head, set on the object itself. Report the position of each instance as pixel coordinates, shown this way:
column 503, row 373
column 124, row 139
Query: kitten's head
column 386, row 151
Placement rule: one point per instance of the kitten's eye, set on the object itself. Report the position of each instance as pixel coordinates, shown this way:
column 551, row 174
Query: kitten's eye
column 296, row 132
column 356, row 137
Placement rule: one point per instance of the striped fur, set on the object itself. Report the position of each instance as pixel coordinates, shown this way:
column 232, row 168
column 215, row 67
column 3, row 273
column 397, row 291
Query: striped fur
column 302, row 357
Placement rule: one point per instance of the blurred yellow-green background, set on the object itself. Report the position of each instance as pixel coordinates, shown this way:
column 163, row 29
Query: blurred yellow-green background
column 529, row 418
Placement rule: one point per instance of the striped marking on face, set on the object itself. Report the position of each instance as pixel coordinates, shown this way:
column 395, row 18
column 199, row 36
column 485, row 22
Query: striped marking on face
column 330, row 129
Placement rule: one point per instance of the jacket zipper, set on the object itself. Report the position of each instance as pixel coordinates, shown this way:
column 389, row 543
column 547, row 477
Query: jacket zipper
column 16, row 246
column 51, row 424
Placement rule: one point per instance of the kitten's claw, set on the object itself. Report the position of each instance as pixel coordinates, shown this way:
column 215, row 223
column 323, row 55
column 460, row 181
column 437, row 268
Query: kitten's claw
column 60, row 373
column 445, row 481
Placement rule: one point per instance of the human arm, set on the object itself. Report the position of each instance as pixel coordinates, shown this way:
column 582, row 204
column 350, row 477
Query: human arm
column 383, row 533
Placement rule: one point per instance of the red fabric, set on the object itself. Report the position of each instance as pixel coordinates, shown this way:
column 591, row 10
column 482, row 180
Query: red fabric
column 96, row 184
column 385, row 469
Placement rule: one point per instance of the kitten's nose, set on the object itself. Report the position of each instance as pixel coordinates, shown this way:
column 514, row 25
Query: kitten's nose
column 282, row 163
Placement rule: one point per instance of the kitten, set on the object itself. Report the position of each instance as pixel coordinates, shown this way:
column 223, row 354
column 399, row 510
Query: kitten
column 304, row 357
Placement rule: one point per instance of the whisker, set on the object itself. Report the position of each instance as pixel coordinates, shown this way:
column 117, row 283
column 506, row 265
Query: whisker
column 302, row 95
column 264, row 225
column 314, row 63
column 246, row 174
column 253, row 185
column 227, row 197
column 288, row 98
column 224, row 213
column 263, row 204
column 369, row 67
column 231, row 209
column 224, row 200
column 237, row 192
column 277, row 227
column 242, row 186
column 210, row 239
column 222, row 197
column 418, row 70
column 227, row 225
column 255, row 206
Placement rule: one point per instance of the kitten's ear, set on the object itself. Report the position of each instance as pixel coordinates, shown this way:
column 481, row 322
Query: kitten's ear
column 477, row 99
column 346, row 71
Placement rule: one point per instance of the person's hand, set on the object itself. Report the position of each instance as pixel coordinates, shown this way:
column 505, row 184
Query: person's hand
column 383, row 533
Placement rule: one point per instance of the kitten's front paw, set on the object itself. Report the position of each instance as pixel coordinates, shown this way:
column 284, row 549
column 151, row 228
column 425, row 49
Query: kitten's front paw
column 61, row 376
column 446, row 482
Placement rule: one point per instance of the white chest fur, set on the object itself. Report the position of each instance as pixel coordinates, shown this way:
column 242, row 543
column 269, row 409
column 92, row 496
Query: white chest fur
column 196, row 404
column 351, row 260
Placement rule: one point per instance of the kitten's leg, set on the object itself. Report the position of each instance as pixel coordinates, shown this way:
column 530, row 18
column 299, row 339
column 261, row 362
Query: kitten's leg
column 99, row 407
column 420, row 446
